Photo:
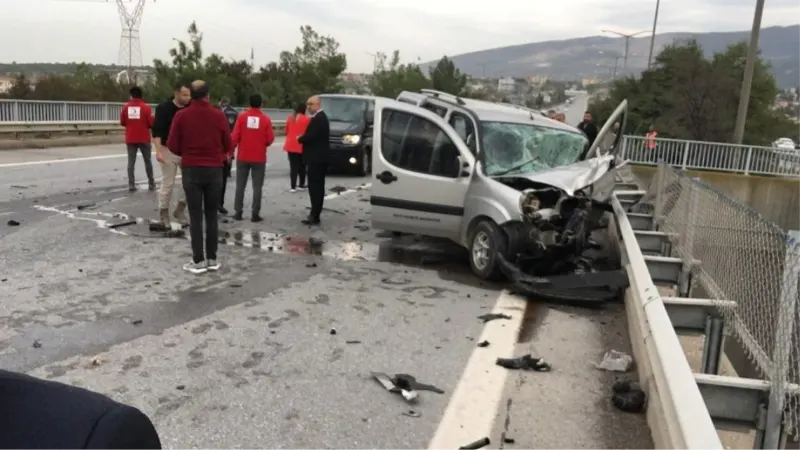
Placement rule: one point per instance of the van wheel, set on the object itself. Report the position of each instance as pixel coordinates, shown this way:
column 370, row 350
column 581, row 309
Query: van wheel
column 486, row 241
column 364, row 164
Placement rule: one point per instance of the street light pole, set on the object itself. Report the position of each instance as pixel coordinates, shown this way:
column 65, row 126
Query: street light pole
column 627, row 45
column 749, row 69
column 653, row 36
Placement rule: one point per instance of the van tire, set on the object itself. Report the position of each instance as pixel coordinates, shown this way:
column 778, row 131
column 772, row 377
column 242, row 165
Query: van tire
column 486, row 241
column 364, row 164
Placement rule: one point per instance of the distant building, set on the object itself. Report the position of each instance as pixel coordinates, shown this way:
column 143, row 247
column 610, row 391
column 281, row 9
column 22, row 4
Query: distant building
column 536, row 80
column 506, row 85
column 5, row 83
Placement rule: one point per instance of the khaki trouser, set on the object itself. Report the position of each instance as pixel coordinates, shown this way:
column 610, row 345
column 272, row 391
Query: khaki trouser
column 170, row 169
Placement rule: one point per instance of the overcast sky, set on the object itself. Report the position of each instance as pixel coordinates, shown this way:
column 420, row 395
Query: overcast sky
column 88, row 30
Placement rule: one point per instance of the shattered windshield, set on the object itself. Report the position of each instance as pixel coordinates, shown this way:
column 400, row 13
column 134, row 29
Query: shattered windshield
column 514, row 148
column 344, row 109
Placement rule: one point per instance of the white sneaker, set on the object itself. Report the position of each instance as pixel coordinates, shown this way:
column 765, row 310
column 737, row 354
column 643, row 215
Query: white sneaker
column 292, row 190
column 195, row 268
column 213, row 264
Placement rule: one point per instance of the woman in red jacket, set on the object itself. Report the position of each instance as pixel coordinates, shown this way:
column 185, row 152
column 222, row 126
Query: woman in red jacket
column 295, row 126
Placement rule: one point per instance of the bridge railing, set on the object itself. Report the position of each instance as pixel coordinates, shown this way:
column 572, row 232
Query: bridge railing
column 715, row 156
column 37, row 111
column 738, row 255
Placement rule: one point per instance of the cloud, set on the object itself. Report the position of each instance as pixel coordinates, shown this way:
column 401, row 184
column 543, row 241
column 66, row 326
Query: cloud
column 63, row 30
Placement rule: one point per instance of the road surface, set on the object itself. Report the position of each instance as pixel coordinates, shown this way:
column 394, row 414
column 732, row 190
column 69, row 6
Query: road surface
column 276, row 349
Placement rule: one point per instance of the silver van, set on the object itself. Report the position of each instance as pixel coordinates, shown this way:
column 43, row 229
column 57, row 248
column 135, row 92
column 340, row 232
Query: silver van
column 459, row 168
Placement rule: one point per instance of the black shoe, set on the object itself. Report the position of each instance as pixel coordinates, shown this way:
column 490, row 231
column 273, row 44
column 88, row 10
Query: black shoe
column 222, row 210
column 238, row 216
column 132, row 188
column 151, row 186
column 302, row 186
column 310, row 221
column 256, row 218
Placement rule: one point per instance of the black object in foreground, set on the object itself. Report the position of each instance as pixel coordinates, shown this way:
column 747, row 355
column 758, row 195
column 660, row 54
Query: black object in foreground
column 526, row 362
column 628, row 396
column 480, row 443
column 493, row 316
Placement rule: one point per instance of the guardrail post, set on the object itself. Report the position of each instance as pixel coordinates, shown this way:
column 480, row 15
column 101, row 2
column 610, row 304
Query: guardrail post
column 747, row 160
column 685, row 155
column 660, row 175
column 713, row 345
column 64, row 110
column 15, row 112
column 685, row 285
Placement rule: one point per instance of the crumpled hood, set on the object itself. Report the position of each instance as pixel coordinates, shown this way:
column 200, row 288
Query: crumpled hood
column 570, row 178
column 346, row 127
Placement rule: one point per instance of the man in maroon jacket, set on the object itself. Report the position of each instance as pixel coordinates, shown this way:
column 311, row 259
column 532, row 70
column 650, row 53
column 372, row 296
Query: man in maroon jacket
column 200, row 136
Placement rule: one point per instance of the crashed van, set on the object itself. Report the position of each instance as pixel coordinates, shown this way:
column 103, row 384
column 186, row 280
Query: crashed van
column 489, row 177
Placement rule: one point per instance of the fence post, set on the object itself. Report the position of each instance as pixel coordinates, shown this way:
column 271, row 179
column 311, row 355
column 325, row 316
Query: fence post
column 64, row 112
column 685, row 155
column 685, row 286
column 660, row 175
column 15, row 112
column 781, row 358
column 747, row 160
column 624, row 145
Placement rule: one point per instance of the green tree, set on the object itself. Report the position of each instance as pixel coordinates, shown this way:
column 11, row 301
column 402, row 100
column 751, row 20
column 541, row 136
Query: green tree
column 21, row 88
column 391, row 77
column 687, row 96
column 446, row 77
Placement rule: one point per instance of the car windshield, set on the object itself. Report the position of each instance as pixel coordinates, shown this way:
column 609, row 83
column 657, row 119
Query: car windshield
column 344, row 109
column 514, row 148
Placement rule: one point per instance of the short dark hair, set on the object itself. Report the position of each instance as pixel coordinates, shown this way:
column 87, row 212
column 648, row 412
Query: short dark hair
column 256, row 101
column 199, row 92
column 300, row 109
column 136, row 92
column 180, row 85
column 225, row 101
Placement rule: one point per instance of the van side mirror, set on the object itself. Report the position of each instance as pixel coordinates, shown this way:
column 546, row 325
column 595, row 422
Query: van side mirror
column 463, row 168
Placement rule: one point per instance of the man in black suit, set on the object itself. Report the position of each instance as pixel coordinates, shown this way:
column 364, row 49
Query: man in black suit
column 316, row 151
column 45, row 414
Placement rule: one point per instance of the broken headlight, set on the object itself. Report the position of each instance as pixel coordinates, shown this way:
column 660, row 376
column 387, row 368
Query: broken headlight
column 529, row 203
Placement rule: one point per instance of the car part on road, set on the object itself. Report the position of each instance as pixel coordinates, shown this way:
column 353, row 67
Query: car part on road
column 483, row 344
column 615, row 361
column 493, row 316
column 412, row 413
column 409, row 383
column 628, row 396
column 13, row 223
column 486, row 242
column 525, row 362
column 480, row 443
column 126, row 223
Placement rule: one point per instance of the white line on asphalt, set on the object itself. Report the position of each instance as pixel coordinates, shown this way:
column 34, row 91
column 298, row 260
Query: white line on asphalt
column 472, row 409
column 55, row 161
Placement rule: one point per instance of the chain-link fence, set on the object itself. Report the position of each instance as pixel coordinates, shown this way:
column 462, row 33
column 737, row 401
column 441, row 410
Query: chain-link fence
column 740, row 256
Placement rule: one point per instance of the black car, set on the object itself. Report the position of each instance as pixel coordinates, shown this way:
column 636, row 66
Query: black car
column 351, row 119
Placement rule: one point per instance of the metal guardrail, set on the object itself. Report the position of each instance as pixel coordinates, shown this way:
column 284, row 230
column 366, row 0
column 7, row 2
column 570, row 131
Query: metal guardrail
column 36, row 111
column 749, row 268
column 677, row 414
column 714, row 156
column 13, row 128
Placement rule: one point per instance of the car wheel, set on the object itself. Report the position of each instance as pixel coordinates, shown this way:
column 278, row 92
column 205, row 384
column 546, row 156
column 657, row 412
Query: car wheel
column 364, row 168
column 486, row 241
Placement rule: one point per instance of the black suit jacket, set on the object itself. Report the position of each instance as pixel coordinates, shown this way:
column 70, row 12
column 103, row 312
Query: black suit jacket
column 43, row 414
column 316, row 140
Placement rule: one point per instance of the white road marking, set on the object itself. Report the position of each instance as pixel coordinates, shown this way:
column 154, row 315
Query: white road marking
column 477, row 398
column 64, row 160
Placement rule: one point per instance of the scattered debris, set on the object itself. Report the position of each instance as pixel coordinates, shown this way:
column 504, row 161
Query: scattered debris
column 157, row 226
column 333, row 331
column 492, row 316
column 96, row 361
column 615, row 361
column 310, row 265
column 37, row 344
column 628, row 396
column 389, row 385
column 525, row 362
column 338, row 189
column 175, row 234
column 411, row 413
column 508, row 440
column 235, row 285
column 483, row 344
column 13, row 223
column 352, row 342
column 137, row 322
column 180, row 387
column 87, row 206
column 409, row 383
column 480, row 443
column 122, row 224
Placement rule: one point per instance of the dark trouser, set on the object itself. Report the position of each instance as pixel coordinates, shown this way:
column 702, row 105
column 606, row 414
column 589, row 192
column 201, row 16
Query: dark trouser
column 296, row 169
column 316, row 187
column 226, row 173
column 243, row 170
column 203, row 186
column 146, row 150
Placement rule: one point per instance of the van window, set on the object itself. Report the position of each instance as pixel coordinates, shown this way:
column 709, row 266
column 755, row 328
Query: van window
column 414, row 143
column 465, row 129
column 441, row 112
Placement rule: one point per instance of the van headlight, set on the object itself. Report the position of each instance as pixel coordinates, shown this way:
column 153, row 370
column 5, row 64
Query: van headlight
column 351, row 139
column 529, row 203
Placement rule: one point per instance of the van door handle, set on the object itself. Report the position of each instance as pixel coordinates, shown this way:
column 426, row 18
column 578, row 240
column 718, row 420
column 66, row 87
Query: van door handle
column 386, row 177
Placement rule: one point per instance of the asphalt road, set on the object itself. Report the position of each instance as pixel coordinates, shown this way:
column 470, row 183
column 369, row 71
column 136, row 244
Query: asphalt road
column 276, row 349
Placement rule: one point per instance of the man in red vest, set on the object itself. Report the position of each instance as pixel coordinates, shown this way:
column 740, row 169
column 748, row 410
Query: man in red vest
column 137, row 118
column 253, row 134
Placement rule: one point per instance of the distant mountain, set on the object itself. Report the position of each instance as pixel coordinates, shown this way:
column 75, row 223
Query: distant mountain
column 594, row 56
column 45, row 68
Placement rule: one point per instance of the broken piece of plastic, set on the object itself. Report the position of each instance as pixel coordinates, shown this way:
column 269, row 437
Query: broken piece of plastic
column 525, row 362
column 409, row 383
column 411, row 413
column 628, row 396
column 615, row 361
column 480, row 443
column 388, row 384
column 493, row 316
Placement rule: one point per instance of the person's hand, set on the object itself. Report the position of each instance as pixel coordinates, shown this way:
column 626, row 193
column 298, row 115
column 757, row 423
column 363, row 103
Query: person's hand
column 160, row 157
column 299, row 137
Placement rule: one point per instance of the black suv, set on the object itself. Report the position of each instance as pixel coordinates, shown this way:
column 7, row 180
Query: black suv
column 351, row 118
